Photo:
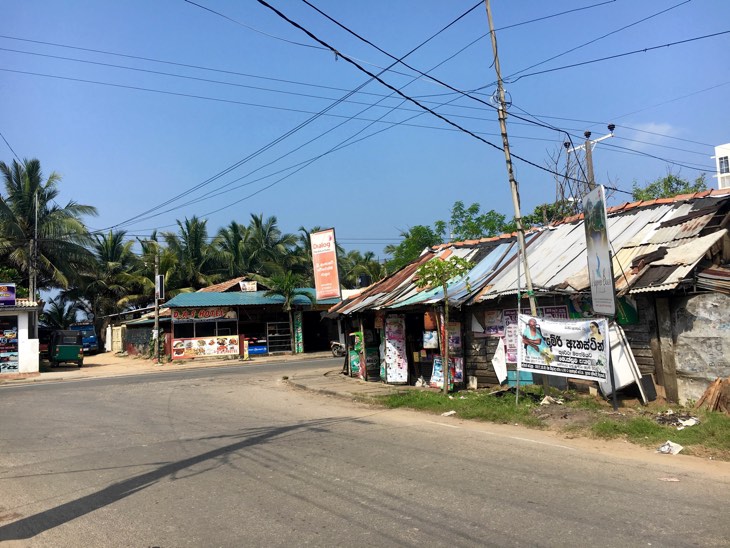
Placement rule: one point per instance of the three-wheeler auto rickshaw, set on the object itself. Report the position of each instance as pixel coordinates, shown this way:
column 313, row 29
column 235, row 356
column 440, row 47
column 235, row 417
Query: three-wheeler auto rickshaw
column 66, row 347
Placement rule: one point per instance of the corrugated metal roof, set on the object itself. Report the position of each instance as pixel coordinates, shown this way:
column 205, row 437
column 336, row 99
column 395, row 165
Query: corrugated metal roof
column 245, row 298
column 557, row 256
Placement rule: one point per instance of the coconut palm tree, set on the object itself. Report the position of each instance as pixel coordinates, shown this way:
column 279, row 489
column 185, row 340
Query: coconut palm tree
column 61, row 237
column 197, row 263
column 59, row 314
column 232, row 242
column 270, row 250
column 286, row 285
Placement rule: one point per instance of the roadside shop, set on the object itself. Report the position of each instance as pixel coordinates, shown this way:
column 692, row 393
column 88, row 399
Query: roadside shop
column 18, row 351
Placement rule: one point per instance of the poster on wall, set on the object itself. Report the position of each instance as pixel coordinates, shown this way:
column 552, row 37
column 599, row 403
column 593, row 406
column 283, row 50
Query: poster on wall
column 203, row 347
column 7, row 294
column 9, row 361
column 564, row 348
column 298, row 333
column 511, row 329
column 324, row 260
column 431, row 340
column 600, row 271
column 396, row 360
column 437, row 373
column 454, row 338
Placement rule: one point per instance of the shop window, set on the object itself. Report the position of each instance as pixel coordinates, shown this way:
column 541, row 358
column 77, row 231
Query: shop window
column 205, row 329
column 183, row 331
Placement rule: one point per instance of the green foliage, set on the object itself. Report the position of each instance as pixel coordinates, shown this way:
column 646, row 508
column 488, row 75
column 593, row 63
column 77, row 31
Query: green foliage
column 59, row 314
column 470, row 223
column 667, row 187
column 415, row 240
column 713, row 432
column 62, row 237
column 438, row 272
column 478, row 406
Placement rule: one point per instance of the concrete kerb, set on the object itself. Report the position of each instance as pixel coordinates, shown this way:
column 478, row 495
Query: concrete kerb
column 117, row 365
column 332, row 382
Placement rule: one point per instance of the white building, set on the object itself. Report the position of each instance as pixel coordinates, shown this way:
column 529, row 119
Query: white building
column 722, row 162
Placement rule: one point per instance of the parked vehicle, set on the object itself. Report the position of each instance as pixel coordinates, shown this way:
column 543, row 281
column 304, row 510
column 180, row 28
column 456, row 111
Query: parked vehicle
column 66, row 347
column 338, row 349
column 88, row 334
column 44, row 339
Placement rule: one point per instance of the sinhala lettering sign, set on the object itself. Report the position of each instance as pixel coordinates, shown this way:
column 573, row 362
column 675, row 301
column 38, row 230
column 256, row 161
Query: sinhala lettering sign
column 182, row 315
column 564, row 348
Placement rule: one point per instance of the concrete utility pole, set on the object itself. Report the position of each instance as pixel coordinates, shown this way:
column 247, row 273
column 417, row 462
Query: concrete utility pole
column 502, row 114
column 158, row 290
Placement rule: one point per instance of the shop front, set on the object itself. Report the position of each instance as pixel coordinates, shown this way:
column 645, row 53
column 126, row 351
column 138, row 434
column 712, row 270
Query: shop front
column 18, row 352
column 405, row 348
column 204, row 333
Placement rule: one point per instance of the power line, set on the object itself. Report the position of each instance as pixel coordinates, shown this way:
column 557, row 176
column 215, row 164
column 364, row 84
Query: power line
column 596, row 39
column 11, row 148
column 352, row 62
column 618, row 55
column 266, row 147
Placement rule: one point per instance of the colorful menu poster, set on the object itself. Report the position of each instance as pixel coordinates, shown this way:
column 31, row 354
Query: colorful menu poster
column 396, row 359
column 204, row 347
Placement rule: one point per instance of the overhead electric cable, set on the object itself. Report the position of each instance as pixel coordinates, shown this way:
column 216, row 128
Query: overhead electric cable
column 618, row 55
column 363, row 69
column 227, row 170
column 11, row 148
column 597, row 39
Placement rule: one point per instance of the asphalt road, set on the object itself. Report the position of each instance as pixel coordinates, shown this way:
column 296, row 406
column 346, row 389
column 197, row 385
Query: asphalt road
column 236, row 457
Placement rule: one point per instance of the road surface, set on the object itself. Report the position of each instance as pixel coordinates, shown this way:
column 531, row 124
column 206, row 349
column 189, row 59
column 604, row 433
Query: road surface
column 234, row 456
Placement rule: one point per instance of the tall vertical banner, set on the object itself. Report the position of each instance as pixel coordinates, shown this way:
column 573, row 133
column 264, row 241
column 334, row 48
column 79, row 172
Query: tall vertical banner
column 600, row 271
column 324, row 259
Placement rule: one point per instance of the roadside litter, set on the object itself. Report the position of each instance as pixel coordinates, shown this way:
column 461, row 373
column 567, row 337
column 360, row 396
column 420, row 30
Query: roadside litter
column 448, row 413
column 680, row 422
column 669, row 448
column 548, row 400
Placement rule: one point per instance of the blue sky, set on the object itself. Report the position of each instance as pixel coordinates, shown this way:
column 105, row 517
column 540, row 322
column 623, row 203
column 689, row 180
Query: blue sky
column 127, row 141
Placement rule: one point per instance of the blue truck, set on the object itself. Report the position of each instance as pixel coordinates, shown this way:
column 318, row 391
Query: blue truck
column 88, row 337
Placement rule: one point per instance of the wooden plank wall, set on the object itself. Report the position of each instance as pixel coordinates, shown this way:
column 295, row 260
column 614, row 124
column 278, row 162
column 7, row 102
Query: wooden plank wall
column 642, row 336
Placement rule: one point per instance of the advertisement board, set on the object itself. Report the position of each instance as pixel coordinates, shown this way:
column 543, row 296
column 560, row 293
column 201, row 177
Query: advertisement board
column 204, row 314
column 564, row 348
column 600, row 271
column 9, row 344
column 202, row 347
column 7, row 294
column 324, row 260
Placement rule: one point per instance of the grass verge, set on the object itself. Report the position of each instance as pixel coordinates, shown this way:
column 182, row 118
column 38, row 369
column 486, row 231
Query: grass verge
column 580, row 415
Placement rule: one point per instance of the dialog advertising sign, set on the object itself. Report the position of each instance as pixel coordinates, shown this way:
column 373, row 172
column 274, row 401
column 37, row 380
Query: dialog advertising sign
column 600, row 271
column 324, row 259
column 564, row 348
column 7, row 294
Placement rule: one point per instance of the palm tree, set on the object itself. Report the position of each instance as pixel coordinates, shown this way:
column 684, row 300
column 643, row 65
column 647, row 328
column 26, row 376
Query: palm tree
column 59, row 314
column 270, row 250
column 197, row 262
column 61, row 236
column 232, row 242
column 286, row 285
